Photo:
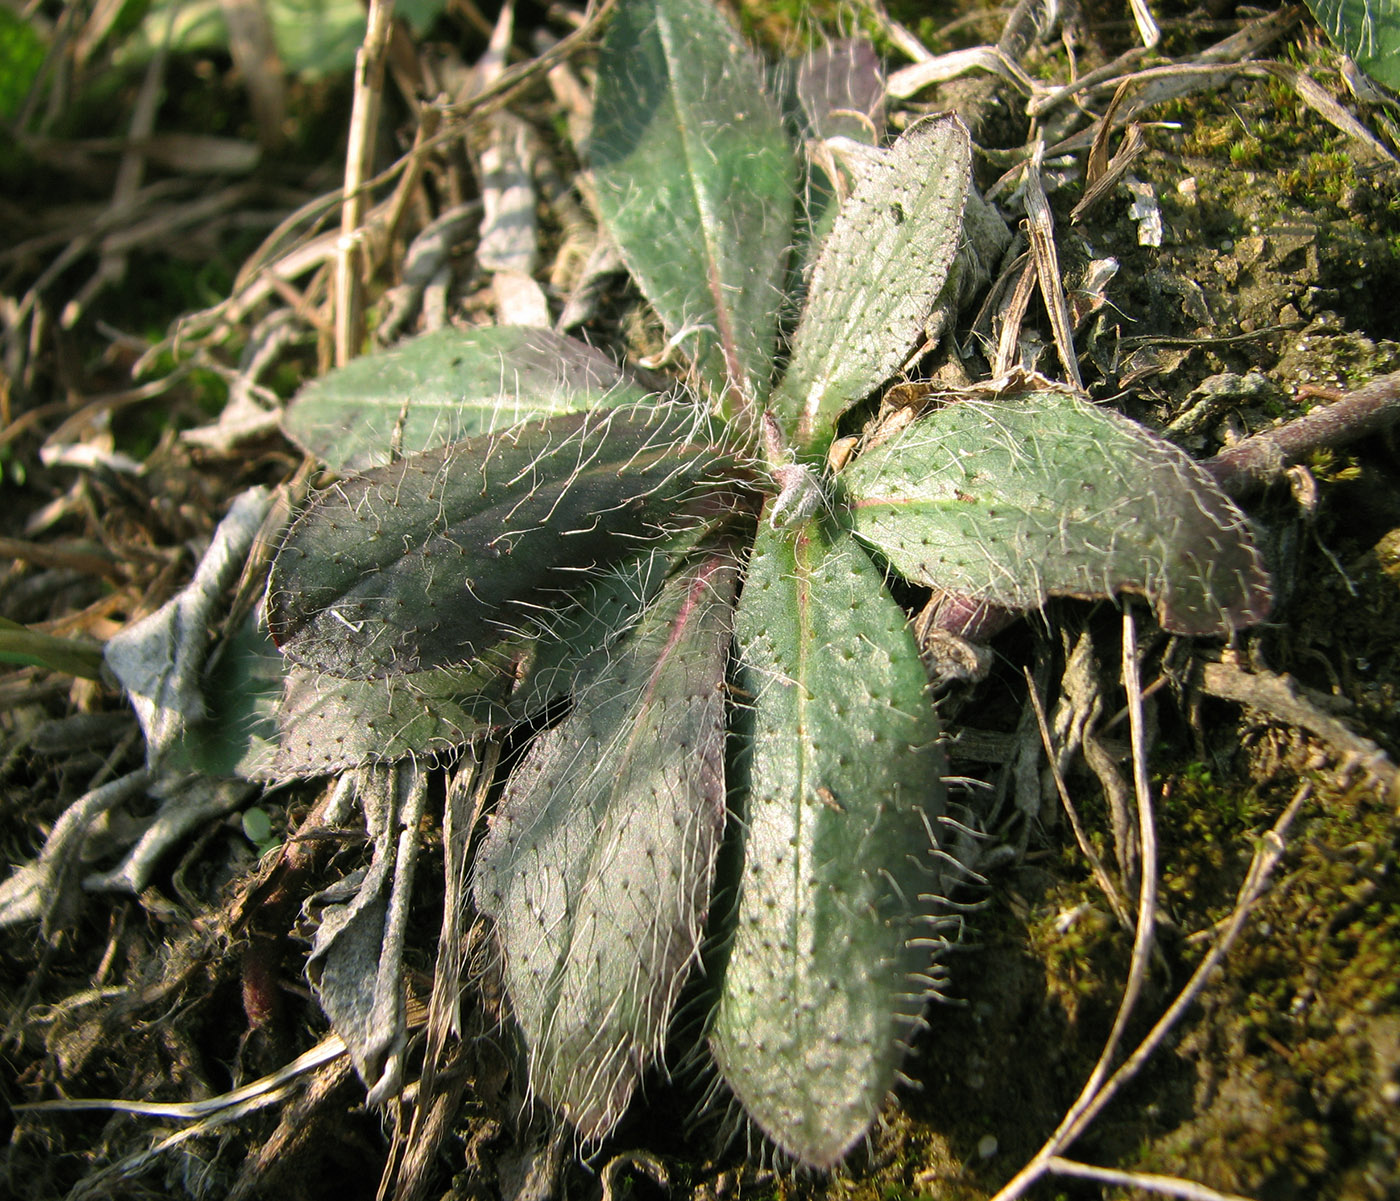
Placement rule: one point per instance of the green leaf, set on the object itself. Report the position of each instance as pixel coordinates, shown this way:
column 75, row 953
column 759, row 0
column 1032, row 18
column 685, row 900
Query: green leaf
column 696, row 182
column 328, row 724
column 314, row 38
column 598, row 864
column 839, row 882
column 1367, row 30
column 21, row 56
column 1016, row 499
column 577, row 641
column 434, row 560
column 270, row 720
column 241, row 691
column 322, row 723
column 448, row 385
column 877, row 277
column 29, row 648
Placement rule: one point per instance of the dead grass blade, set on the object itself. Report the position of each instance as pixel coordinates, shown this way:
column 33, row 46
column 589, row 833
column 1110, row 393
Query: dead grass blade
column 1040, row 228
column 1231, row 51
column 440, row 1086
column 364, row 123
column 1081, row 837
column 1168, row 1186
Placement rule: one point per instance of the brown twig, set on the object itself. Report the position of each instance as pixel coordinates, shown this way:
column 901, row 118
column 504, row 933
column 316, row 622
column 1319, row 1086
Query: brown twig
column 1280, row 698
column 1255, row 462
column 1266, row 858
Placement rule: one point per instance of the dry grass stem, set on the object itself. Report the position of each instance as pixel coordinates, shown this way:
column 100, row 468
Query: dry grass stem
column 359, row 154
column 1167, row 1186
column 1081, row 837
column 1040, row 228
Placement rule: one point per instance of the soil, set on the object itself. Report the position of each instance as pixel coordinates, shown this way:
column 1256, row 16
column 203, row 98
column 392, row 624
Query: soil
column 1276, row 279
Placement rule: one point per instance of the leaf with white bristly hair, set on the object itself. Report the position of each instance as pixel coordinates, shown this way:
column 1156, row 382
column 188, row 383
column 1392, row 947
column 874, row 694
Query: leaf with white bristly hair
column 696, row 183
column 448, row 385
column 438, row 558
column 877, row 277
column 840, row 883
column 597, row 868
column 1019, row 498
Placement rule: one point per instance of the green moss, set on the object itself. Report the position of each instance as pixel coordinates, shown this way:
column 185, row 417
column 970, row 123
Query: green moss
column 1301, row 1036
column 1326, row 174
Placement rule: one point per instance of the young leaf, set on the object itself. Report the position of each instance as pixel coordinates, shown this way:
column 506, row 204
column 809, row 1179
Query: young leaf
column 841, row 89
column 433, row 560
column 1016, row 499
column 696, row 182
column 448, row 385
column 877, row 277
column 597, row 867
column 846, row 785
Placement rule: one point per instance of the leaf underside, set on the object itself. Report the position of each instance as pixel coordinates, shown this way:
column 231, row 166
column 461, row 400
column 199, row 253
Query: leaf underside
column 877, row 277
column 846, row 788
column 447, row 385
column 1017, row 499
column 696, row 183
column 597, row 868
column 436, row 559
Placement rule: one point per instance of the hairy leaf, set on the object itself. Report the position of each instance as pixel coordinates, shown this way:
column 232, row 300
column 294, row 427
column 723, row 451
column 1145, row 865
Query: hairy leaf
column 1016, row 499
column 448, row 385
column 328, row 724
column 576, row 641
column 598, row 864
column 877, row 276
column 823, row 978
column 434, row 560
column 242, row 692
column 696, row 182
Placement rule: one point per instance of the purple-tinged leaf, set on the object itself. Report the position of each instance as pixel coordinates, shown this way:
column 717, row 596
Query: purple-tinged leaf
column 841, row 88
column 436, row 559
column 696, row 183
column 597, row 868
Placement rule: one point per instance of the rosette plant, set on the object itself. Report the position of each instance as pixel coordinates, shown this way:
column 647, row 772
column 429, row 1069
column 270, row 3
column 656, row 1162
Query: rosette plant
column 690, row 579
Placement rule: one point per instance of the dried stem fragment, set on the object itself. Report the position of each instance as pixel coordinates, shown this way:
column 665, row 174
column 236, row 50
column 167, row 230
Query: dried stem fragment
column 1256, row 462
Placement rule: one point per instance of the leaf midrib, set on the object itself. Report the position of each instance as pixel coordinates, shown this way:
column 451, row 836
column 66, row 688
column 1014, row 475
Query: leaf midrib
column 723, row 318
